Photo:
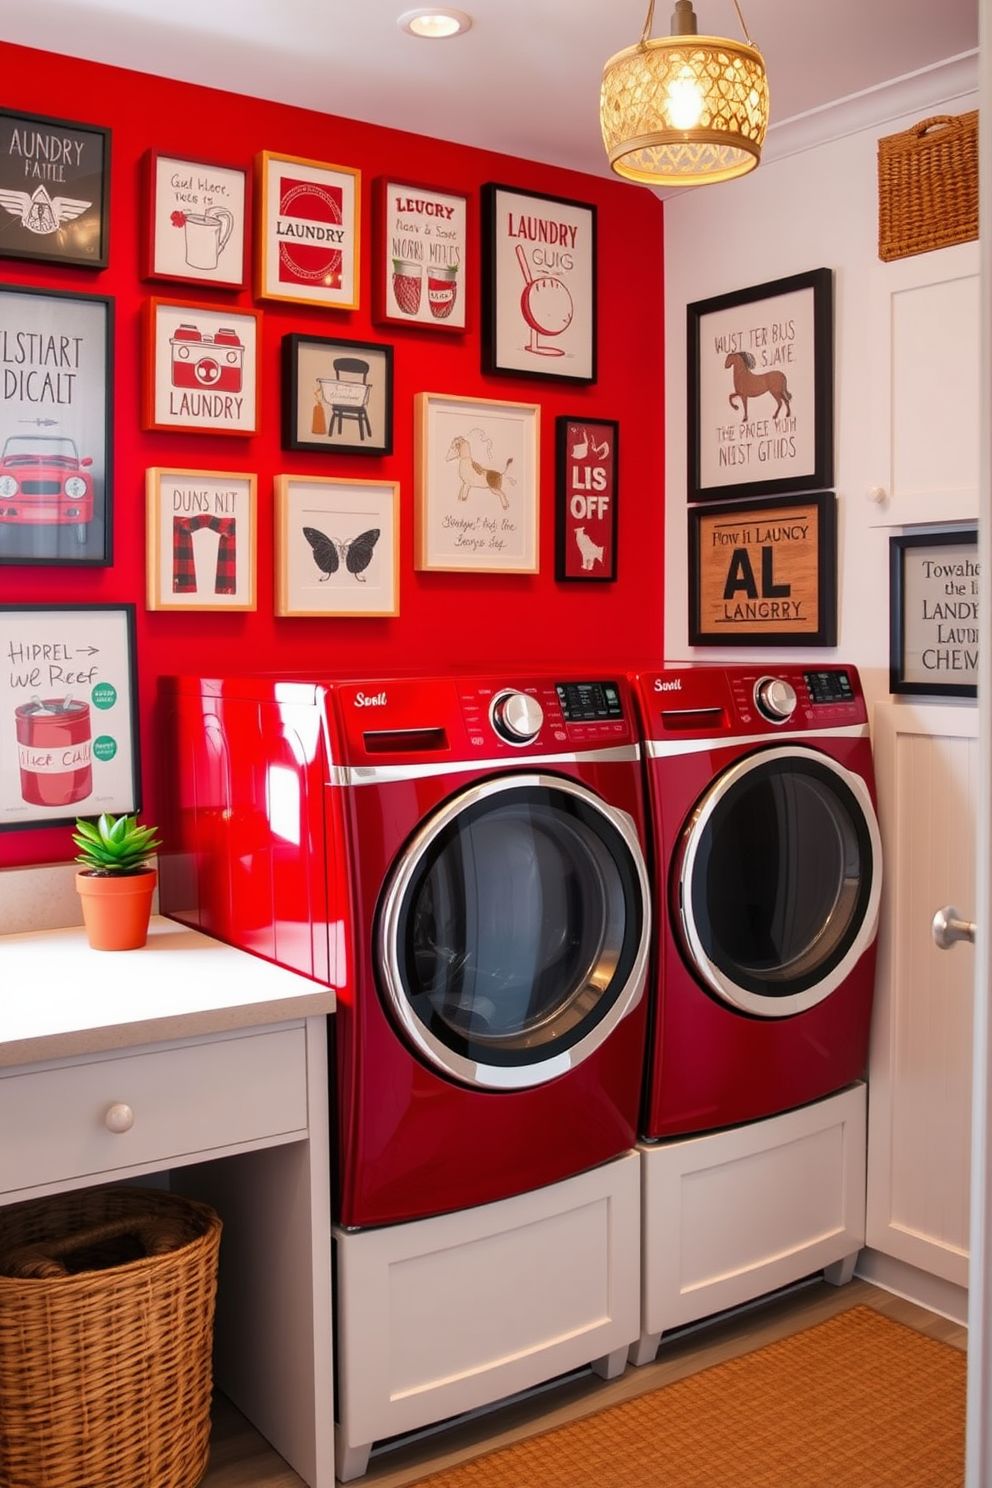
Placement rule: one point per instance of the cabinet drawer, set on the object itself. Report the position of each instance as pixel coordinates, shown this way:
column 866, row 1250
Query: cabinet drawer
column 186, row 1100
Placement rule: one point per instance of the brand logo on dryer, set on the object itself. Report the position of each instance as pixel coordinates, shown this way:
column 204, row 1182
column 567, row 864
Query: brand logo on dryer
column 674, row 686
column 362, row 700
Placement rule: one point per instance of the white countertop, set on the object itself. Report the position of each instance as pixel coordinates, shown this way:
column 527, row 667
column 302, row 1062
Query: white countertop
column 59, row 998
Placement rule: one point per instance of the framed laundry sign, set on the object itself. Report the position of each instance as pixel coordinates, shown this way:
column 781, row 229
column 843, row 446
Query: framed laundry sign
column 200, row 533
column 306, row 242
column 54, row 190
column 539, row 285
column 760, row 388
column 420, row 259
column 764, row 573
column 933, row 613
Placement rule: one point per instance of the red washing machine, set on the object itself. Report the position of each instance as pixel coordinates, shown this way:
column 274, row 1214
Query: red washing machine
column 463, row 860
column 767, row 868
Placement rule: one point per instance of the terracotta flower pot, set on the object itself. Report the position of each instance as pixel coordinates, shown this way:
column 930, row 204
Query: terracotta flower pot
column 116, row 908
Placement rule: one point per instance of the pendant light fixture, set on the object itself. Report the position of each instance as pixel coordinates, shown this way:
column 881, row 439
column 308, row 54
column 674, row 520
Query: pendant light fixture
column 683, row 110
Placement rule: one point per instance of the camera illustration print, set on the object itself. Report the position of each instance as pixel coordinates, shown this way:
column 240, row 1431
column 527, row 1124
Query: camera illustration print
column 202, row 372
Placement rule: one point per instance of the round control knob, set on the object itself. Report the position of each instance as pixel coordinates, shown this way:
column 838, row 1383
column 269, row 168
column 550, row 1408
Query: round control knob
column 775, row 698
column 516, row 717
column 119, row 1117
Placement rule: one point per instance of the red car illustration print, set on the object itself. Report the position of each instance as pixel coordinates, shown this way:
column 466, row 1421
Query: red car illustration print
column 44, row 482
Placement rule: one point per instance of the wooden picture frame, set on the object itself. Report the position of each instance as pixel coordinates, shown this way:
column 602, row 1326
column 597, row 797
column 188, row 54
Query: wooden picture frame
column 477, row 475
column 587, row 453
column 933, row 613
column 337, row 396
column 420, row 260
column 54, row 190
column 539, row 267
column 201, row 539
column 764, row 573
column 308, row 230
column 68, row 713
column 195, row 216
column 56, row 427
column 200, row 368
column 337, row 546
column 760, row 388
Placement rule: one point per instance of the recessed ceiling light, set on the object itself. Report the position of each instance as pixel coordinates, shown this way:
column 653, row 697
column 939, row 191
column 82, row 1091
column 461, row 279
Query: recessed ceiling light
column 435, row 24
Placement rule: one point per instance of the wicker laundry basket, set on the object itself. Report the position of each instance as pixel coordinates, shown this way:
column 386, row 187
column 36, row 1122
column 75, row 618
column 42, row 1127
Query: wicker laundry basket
column 105, row 1372
column 928, row 186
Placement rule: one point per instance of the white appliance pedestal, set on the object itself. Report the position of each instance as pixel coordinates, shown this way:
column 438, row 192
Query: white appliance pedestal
column 444, row 1315
column 730, row 1215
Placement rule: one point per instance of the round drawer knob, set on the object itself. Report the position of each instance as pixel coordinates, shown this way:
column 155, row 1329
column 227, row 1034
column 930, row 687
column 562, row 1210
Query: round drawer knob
column 119, row 1117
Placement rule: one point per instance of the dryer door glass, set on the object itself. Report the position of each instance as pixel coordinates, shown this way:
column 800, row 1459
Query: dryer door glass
column 778, row 881
column 512, row 936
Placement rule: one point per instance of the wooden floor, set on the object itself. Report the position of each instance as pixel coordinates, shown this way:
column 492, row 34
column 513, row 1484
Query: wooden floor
column 241, row 1459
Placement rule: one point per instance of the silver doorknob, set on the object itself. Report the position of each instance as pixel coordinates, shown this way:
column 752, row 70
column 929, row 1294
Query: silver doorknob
column 948, row 927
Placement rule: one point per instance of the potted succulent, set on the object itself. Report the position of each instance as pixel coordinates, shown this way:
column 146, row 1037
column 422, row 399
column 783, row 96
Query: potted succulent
column 116, row 881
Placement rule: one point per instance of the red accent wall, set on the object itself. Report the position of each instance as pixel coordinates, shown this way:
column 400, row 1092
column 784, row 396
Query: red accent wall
column 446, row 621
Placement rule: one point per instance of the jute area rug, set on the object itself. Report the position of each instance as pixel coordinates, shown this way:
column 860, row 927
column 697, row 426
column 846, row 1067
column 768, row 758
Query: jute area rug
column 859, row 1401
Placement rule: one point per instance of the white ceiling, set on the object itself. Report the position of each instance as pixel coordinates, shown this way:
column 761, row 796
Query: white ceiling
column 523, row 81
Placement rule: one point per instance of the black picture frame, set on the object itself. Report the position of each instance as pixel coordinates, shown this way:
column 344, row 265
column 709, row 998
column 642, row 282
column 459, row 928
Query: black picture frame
column 764, row 572
column 361, row 422
column 774, row 343
column 933, row 612
column 587, row 469
column 539, row 285
column 54, row 190
column 68, row 713
column 58, row 380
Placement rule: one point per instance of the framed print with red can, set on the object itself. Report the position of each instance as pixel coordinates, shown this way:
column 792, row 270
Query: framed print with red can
column 68, row 713
column 200, row 368
column 421, row 264
column 195, row 221
column 307, row 236
column 586, row 468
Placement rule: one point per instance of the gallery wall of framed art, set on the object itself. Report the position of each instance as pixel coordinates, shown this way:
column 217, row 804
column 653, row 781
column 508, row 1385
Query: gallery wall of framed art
column 249, row 247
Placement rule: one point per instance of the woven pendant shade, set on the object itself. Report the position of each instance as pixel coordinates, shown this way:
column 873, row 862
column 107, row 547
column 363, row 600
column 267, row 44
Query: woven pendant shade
column 684, row 110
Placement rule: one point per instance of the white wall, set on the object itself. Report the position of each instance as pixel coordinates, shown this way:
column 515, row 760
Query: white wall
column 806, row 210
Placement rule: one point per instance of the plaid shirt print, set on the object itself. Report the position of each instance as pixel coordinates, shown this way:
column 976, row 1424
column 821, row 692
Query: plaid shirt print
column 184, row 564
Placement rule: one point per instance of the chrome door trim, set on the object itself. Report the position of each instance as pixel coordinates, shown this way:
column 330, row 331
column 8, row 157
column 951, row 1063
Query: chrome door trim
column 472, row 1072
column 667, row 748
column 724, row 987
column 345, row 775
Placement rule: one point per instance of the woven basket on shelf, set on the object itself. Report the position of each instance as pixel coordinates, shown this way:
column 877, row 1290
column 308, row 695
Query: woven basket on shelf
column 928, row 186
column 105, row 1373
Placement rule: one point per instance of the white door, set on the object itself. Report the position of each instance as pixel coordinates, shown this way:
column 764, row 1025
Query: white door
column 926, row 758
column 979, row 1453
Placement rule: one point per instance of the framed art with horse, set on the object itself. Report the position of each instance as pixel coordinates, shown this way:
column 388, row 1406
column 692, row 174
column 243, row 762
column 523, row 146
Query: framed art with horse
column 760, row 389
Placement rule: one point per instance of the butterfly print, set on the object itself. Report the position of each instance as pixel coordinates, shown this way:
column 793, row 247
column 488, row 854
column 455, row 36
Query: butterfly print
column 330, row 552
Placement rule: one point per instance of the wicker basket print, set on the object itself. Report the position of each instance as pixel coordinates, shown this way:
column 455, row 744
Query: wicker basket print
column 106, row 1338
column 928, row 186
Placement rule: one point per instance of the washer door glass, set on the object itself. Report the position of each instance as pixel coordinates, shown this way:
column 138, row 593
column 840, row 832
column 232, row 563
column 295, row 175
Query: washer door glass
column 778, row 881
column 513, row 932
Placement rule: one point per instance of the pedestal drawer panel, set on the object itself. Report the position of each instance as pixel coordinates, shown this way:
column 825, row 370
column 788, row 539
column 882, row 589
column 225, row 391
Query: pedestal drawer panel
column 148, row 1107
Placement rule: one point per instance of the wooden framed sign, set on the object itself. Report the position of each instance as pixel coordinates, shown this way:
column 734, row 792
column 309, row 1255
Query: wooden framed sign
column 764, row 573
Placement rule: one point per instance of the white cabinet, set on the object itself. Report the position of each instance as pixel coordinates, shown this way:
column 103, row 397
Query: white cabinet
column 925, row 414
column 207, row 1068
column 926, row 758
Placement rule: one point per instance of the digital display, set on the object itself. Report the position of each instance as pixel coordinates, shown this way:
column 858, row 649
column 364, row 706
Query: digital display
column 829, row 687
column 589, row 702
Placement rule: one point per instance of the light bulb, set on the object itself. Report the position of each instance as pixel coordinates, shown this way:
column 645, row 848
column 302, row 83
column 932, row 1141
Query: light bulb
column 685, row 101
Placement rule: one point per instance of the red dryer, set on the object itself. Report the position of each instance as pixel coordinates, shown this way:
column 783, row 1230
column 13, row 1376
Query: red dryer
column 767, row 879
column 463, row 860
